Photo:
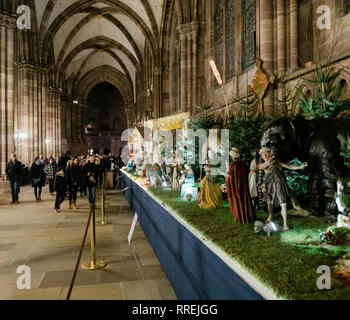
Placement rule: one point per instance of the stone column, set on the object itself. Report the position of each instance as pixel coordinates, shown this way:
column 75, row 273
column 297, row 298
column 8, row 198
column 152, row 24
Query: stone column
column 10, row 86
column 194, row 34
column 157, row 76
column 50, row 120
column 294, row 50
column 36, row 115
column 3, row 44
column 83, row 121
column 79, row 123
column 267, row 46
column 23, row 147
column 281, row 34
column 129, row 109
column 74, row 123
column 60, row 117
column 189, row 68
column 182, row 29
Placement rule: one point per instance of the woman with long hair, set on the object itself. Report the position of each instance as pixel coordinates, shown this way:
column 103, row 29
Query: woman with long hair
column 73, row 177
column 38, row 178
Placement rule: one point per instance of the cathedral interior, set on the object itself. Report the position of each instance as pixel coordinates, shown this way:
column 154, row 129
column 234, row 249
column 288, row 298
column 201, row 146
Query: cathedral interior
column 74, row 74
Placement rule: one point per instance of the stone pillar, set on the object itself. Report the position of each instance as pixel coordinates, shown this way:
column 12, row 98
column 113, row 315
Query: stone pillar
column 267, row 46
column 60, row 117
column 78, row 121
column 194, row 34
column 50, row 121
column 7, row 76
column 294, row 51
column 10, row 87
column 157, row 76
column 281, row 34
column 182, row 29
column 129, row 109
column 189, row 68
column 3, row 44
column 36, row 115
column 74, row 123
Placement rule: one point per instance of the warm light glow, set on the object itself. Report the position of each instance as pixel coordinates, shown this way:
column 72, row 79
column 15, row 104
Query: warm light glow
column 20, row 136
column 215, row 71
column 47, row 141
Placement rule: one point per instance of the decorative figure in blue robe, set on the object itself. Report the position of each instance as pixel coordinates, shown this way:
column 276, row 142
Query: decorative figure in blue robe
column 130, row 165
column 187, row 183
column 156, row 175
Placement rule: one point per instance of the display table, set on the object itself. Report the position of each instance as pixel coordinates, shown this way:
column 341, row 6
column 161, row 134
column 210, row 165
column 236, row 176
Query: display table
column 196, row 268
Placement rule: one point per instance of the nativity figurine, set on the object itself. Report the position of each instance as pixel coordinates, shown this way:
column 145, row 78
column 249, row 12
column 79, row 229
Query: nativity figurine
column 275, row 187
column 238, row 189
column 187, row 183
column 210, row 196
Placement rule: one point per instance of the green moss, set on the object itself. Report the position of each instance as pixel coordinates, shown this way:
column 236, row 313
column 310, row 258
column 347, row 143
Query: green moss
column 286, row 262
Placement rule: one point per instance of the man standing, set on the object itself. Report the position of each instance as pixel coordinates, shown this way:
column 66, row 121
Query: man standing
column 14, row 173
column 60, row 189
column 90, row 176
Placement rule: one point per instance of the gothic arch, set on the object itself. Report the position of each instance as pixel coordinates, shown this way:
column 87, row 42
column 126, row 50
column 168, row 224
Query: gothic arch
column 91, row 55
column 101, row 74
column 91, row 44
column 84, row 6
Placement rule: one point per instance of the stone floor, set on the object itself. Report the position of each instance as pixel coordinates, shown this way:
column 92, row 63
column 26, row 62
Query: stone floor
column 32, row 234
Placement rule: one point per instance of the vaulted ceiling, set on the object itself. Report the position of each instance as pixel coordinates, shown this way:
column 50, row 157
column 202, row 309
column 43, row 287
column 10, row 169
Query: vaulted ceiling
column 94, row 35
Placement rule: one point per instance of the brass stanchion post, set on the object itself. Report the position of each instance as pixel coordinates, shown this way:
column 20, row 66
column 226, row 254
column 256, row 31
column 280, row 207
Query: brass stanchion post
column 103, row 221
column 93, row 264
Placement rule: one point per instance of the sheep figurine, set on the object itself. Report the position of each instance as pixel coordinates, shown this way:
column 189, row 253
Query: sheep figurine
column 260, row 227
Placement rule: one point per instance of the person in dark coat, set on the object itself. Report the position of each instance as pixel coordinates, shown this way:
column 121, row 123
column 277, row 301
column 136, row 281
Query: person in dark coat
column 73, row 177
column 62, row 162
column 82, row 187
column 38, row 178
column 60, row 187
column 14, row 174
column 90, row 175
column 238, row 189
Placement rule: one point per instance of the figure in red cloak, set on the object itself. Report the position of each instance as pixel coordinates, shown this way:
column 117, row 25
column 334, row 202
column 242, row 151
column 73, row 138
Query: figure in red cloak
column 238, row 189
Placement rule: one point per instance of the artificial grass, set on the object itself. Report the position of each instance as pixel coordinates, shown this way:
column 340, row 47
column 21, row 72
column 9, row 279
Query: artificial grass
column 286, row 263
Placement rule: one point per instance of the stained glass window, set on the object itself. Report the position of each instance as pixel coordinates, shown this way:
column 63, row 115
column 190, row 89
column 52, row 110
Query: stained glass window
column 249, row 33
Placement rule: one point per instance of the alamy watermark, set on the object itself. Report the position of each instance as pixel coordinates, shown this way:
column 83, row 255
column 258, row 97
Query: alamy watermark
column 157, row 146
column 324, row 281
column 24, row 20
column 24, row 281
column 324, row 21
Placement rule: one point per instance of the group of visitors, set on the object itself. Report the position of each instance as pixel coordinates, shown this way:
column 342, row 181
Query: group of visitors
column 65, row 179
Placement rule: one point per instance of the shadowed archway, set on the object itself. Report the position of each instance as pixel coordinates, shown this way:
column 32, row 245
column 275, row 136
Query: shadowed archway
column 106, row 118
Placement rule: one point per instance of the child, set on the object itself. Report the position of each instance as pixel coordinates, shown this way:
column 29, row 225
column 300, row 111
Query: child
column 60, row 189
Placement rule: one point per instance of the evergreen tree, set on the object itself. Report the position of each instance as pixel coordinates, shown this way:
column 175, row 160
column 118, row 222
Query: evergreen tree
column 246, row 130
column 326, row 100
